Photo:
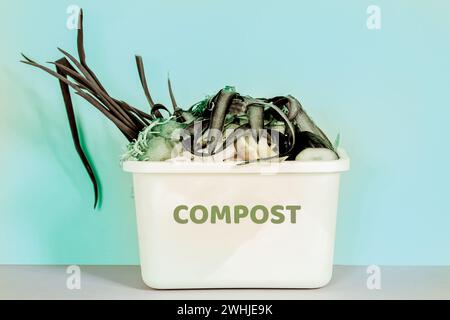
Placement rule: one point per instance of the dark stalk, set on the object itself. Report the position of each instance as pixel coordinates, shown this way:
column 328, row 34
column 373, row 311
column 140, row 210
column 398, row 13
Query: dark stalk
column 141, row 72
column 74, row 130
column 110, row 103
column 172, row 97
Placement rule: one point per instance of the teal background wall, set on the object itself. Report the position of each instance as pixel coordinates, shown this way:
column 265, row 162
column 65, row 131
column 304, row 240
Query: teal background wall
column 386, row 91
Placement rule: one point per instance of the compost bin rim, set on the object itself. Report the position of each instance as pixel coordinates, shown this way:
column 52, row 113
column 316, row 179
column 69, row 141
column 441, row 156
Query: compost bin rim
column 341, row 165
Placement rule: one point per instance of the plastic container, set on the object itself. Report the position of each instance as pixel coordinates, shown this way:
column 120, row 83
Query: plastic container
column 183, row 251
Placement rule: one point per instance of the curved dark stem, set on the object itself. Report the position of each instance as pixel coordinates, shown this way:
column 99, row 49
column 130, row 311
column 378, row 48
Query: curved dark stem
column 290, row 126
column 142, row 116
column 111, row 104
column 70, row 71
column 255, row 113
column 305, row 123
column 172, row 97
column 280, row 102
column 115, row 105
column 129, row 120
column 177, row 111
column 127, row 131
column 141, row 72
column 138, row 120
column 138, row 112
column 221, row 106
column 213, row 100
column 74, row 130
column 156, row 108
column 81, row 51
column 101, row 93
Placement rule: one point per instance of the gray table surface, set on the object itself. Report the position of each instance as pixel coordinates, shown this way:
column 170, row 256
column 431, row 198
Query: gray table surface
column 124, row 282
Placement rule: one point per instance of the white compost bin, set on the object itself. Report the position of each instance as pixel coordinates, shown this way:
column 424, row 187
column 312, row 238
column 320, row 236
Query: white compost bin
column 211, row 225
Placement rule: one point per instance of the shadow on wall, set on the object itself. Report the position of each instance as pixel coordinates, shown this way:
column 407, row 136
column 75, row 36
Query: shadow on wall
column 47, row 204
column 43, row 127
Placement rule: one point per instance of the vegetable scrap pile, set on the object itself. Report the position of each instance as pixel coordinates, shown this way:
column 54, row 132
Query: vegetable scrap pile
column 227, row 126
column 233, row 127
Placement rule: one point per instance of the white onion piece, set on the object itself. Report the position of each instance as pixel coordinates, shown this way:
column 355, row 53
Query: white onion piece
column 264, row 150
column 317, row 154
column 247, row 148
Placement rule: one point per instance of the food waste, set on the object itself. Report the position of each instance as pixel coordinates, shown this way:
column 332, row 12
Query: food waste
column 225, row 127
